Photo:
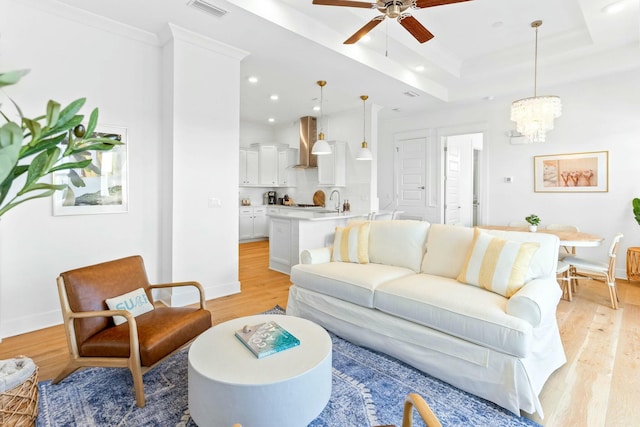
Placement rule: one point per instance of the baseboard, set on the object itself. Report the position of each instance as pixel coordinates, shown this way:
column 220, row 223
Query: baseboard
column 188, row 295
column 22, row 325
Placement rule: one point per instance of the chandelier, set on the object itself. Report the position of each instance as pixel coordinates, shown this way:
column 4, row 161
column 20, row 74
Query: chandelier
column 534, row 116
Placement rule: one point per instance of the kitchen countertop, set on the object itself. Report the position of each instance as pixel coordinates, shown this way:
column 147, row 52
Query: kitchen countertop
column 311, row 213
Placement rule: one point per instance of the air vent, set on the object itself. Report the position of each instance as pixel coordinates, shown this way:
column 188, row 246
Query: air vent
column 411, row 94
column 207, row 8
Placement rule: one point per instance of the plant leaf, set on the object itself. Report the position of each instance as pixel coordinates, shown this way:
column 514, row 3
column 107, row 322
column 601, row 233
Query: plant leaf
column 10, row 144
column 5, row 208
column 71, row 165
column 93, row 122
column 36, row 171
column 53, row 113
column 12, row 77
column 69, row 112
column 43, row 144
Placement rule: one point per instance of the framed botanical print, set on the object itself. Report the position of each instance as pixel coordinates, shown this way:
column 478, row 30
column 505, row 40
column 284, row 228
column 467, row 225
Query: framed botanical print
column 102, row 186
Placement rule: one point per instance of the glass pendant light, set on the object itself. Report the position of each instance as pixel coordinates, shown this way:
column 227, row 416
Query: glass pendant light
column 364, row 153
column 534, row 116
column 321, row 147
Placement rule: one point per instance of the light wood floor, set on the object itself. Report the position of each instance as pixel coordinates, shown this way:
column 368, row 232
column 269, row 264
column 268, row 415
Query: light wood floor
column 599, row 385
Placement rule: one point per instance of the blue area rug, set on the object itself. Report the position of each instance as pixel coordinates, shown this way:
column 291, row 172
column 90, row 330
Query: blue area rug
column 368, row 390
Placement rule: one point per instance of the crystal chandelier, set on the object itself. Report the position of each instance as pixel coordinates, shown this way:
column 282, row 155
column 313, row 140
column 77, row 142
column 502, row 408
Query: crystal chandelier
column 534, row 116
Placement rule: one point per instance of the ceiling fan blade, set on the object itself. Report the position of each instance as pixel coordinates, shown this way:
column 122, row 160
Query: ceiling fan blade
column 364, row 30
column 346, row 3
column 421, row 4
column 416, row 29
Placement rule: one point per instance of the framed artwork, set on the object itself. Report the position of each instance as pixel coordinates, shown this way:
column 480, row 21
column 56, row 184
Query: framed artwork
column 572, row 173
column 101, row 187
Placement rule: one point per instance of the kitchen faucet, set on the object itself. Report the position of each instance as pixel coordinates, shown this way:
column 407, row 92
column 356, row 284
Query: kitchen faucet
column 331, row 198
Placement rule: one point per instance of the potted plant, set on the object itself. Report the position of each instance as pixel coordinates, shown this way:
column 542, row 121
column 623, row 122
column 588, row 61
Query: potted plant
column 33, row 148
column 533, row 221
column 636, row 209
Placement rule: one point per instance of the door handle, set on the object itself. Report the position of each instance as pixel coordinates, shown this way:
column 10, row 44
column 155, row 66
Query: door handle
column 421, row 187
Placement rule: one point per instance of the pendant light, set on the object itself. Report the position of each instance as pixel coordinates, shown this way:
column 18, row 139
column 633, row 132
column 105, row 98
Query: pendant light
column 321, row 147
column 534, row 116
column 364, row 153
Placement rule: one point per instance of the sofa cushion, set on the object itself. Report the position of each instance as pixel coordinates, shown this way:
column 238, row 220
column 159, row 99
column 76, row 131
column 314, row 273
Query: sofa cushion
column 457, row 309
column 447, row 247
column 351, row 282
column 398, row 242
column 497, row 264
column 351, row 243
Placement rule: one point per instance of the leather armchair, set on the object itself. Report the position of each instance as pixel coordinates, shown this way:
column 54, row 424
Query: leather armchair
column 138, row 344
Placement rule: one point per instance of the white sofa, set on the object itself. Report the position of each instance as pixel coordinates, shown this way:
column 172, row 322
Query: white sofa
column 407, row 302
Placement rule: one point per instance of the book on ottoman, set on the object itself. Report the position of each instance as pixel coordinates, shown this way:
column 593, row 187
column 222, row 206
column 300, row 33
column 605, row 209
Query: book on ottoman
column 266, row 338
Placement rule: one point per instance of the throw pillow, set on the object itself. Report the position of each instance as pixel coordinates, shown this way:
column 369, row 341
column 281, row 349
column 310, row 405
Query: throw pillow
column 351, row 243
column 496, row 264
column 135, row 302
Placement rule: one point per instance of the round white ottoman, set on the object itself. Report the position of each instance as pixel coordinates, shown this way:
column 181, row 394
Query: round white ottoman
column 228, row 384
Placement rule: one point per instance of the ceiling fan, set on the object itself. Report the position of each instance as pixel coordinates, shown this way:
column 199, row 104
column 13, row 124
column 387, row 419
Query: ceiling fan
column 392, row 9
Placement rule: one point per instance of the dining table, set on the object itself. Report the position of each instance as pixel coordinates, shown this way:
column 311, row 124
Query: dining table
column 567, row 238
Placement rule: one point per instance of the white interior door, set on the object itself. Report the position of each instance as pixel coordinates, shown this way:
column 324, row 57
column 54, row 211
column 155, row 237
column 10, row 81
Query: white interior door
column 411, row 174
column 459, row 178
column 452, row 205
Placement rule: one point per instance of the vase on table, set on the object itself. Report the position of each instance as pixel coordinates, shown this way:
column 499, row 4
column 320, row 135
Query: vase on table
column 533, row 228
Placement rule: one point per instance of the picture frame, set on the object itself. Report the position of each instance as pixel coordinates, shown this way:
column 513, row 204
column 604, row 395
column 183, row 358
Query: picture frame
column 572, row 173
column 106, row 180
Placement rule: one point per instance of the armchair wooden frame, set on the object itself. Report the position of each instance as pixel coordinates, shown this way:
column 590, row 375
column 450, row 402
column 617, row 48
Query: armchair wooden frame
column 414, row 400
column 133, row 361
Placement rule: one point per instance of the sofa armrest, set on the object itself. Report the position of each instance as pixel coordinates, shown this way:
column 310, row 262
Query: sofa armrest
column 315, row 256
column 535, row 301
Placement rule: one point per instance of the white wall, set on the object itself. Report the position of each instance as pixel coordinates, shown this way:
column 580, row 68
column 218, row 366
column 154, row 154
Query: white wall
column 598, row 115
column 72, row 54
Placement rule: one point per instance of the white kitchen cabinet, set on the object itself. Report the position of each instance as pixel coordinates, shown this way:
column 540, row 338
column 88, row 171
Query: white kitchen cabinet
column 286, row 174
column 280, row 244
column 248, row 167
column 268, row 165
column 253, row 222
column 332, row 168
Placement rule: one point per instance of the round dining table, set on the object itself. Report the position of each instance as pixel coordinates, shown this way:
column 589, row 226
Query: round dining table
column 567, row 238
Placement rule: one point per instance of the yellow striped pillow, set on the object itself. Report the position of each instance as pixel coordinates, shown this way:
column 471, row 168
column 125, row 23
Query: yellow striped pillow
column 351, row 244
column 497, row 265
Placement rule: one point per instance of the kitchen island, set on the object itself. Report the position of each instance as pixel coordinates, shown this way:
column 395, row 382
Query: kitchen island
column 293, row 229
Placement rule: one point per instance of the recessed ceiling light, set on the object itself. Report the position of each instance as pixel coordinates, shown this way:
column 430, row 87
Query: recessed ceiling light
column 271, row 120
column 316, row 108
column 274, row 97
column 366, row 39
column 252, row 79
column 419, row 68
column 489, row 98
column 615, row 7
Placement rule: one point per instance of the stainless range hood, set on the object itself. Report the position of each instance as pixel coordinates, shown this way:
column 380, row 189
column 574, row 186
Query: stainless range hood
column 308, row 137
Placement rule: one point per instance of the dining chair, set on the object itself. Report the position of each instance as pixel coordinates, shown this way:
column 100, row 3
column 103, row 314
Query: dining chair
column 582, row 268
column 99, row 336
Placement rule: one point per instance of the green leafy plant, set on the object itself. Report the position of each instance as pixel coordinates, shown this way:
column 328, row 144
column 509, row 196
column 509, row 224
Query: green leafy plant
column 636, row 209
column 532, row 219
column 33, row 148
